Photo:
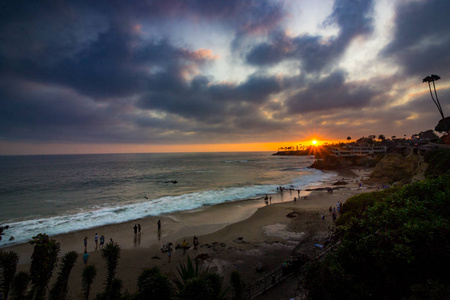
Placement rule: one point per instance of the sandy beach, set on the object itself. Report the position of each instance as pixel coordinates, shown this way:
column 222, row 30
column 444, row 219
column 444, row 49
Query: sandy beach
column 233, row 236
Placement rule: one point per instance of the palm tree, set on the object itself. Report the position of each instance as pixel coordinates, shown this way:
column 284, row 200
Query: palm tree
column 429, row 79
column 59, row 290
column 88, row 276
column 8, row 265
column 111, row 253
column 43, row 261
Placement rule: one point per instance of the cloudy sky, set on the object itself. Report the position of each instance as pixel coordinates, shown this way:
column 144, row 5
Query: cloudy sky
column 137, row 76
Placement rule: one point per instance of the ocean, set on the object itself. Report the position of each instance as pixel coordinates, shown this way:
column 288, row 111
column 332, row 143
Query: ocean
column 56, row 194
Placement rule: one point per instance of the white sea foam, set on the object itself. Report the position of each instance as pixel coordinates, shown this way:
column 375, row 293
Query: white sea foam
column 98, row 216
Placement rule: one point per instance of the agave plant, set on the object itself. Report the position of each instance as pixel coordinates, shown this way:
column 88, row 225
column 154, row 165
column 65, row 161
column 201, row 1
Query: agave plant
column 195, row 282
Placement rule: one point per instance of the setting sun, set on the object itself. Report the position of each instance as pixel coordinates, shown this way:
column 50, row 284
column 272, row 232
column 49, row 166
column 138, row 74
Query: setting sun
column 314, row 142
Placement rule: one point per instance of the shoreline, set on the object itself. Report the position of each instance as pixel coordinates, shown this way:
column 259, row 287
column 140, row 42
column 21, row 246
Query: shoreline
column 246, row 204
column 267, row 236
column 65, row 223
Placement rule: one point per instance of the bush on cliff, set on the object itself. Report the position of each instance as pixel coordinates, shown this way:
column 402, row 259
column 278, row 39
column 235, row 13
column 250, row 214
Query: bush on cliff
column 438, row 163
column 355, row 206
column 396, row 249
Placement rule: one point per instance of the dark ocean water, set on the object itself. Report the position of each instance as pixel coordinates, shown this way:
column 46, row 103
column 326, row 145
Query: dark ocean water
column 63, row 193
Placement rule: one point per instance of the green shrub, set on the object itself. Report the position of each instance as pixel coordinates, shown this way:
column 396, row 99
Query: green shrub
column 152, row 284
column 19, row 286
column 393, row 249
column 438, row 163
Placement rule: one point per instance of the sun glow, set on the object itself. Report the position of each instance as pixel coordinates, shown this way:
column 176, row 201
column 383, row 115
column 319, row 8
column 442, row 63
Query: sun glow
column 314, row 142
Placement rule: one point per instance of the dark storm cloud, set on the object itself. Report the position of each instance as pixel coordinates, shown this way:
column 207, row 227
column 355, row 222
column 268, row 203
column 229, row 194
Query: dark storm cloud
column 48, row 114
column 82, row 69
column 353, row 19
column 207, row 102
column 421, row 40
column 331, row 93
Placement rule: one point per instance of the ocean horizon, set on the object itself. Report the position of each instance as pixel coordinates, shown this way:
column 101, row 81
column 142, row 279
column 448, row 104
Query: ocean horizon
column 57, row 194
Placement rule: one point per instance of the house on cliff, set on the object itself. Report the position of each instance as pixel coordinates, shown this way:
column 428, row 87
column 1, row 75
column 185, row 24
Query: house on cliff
column 359, row 150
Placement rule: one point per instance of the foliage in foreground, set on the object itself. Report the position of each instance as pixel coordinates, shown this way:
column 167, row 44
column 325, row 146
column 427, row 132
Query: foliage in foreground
column 113, row 286
column 19, row 286
column 195, row 282
column 8, row 267
column 397, row 248
column 87, row 277
column 438, row 163
column 60, row 287
column 152, row 284
column 43, row 261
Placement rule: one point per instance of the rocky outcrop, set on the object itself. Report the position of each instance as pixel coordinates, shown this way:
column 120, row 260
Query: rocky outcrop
column 331, row 162
column 396, row 168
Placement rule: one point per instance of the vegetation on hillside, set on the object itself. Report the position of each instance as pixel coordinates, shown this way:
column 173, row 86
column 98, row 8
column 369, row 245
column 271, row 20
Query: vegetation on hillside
column 390, row 245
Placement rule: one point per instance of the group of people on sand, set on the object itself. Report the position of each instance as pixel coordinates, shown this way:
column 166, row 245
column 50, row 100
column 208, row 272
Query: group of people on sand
column 97, row 239
column 333, row 211
column 184, row 245
column 137, row 228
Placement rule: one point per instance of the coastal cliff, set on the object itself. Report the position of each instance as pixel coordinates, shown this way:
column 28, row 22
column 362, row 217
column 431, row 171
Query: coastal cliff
column 389, row 168
column 396, row 168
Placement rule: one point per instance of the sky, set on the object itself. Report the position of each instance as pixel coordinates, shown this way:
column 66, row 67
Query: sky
column 212, row 75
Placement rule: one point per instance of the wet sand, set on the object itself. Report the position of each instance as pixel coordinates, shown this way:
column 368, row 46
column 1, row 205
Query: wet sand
column 233, row 236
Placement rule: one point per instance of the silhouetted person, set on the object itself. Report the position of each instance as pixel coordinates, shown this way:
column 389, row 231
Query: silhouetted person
column 85, row 243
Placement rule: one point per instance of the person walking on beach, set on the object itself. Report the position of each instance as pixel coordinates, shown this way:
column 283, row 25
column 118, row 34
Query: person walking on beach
column 139, row 228
column 159, row 224
column 96, row 241
column 85, row 243
column 135, row 229
column 102, row 241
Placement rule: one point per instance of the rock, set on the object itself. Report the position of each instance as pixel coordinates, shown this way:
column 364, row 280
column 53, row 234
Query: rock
column 292, row 214
column 260, row 267
column 202, row 256
column 340, row 183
